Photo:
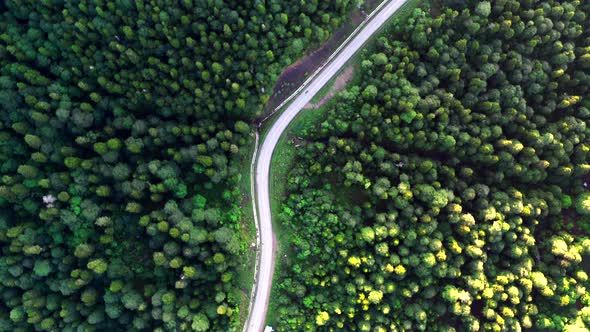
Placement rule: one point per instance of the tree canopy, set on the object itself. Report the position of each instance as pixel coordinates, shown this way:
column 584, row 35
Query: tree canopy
column 122, row 128
column 447, row 189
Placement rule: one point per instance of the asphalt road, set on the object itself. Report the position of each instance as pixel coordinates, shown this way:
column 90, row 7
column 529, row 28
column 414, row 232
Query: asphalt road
column 265, row 257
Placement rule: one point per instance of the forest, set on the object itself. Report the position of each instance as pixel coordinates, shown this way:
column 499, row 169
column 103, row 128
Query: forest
column 448, row 189
column 122, row 127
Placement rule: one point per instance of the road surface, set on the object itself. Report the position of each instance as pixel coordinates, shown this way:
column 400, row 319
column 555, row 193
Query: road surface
column 265, row 256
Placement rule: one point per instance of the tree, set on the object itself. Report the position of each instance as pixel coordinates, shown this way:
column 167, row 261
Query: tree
column 450, row 174
column 380, row 59
column 583, row 204
column 42, row 268
column 242, row 127
column 370, row 92
column 483, row 8
column 200, row 323
column 322, row 318
column 99, row 266
column 33, row 141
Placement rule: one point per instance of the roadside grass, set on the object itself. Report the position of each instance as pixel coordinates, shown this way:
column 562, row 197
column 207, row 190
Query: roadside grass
column 285, row 152
column 406, row 10
column 245, row 271
column 326, row 88
column 314, row 55
column 281, row 161
column 331, row 86
column 402, row 14
column 285, row 155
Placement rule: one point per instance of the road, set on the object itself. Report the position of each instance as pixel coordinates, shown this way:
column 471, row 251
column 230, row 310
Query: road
column 265, row 256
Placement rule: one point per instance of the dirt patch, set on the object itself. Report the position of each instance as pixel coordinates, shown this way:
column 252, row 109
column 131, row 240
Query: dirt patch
column 294, row 75
column 436, row 8
column 370, row 5
column 339, row 85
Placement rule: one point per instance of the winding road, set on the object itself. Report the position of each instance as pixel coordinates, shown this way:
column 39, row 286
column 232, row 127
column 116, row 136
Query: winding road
column 260, row 178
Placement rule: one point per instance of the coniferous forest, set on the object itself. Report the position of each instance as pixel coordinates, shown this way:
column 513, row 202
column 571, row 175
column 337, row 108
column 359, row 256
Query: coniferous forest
column 120, row 123
column 448, row 189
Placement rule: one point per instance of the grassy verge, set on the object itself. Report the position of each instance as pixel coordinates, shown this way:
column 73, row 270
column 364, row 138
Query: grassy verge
column 284, row 157
column 281, row 164
column 402, row 14
column 245, row 276
column 285, row 154
column 292, row 77
column 326, row 89
column 406, row 10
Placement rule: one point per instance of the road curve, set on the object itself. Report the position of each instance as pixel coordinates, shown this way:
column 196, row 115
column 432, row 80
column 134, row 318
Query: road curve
column 265, row 256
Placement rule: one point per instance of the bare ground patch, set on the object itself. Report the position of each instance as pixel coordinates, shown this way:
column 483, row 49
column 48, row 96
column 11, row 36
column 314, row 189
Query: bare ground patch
column 294, row 75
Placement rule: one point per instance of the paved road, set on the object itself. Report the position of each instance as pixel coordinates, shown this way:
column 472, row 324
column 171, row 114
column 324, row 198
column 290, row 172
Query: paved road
column 265, row 256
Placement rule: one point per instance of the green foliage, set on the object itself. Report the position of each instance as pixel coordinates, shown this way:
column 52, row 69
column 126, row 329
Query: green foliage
column 99, row 266
column 42, row 268
column 200, row 323
column 122, row 126
column 242, row 127
column 199, row 201
column 566, row 201
column 33, row 141
column 583, row 204
column 484, row 8
column 459, row 163
column 408, row 116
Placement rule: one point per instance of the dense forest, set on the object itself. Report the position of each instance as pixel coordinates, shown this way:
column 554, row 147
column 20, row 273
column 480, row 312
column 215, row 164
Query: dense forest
column 448, row 189
column 120, row 123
